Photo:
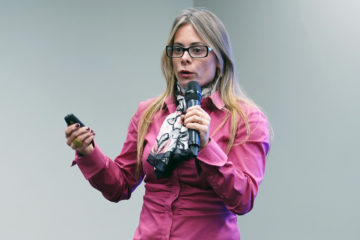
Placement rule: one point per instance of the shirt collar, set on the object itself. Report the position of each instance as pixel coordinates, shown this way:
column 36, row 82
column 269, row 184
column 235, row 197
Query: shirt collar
column 217, row 101
column 215, row 98
column 170, row 104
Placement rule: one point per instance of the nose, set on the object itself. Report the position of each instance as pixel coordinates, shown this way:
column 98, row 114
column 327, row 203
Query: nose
column 186, row 58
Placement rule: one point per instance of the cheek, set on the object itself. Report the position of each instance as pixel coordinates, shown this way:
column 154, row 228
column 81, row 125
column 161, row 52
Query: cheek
column 211, row 64
column 175, row 65
column 209, row 70
column 175, row 62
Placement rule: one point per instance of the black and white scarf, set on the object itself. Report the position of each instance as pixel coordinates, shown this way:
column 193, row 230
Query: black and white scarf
column 171, row 145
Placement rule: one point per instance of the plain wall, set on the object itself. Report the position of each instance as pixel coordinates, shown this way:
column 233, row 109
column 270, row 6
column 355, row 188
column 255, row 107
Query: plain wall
column 299, row 60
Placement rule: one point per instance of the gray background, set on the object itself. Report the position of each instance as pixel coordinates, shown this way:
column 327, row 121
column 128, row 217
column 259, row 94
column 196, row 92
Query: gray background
column 299, row 60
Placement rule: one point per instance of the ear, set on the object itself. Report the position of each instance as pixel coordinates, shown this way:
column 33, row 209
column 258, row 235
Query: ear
column 218, row 64
column 218, row 69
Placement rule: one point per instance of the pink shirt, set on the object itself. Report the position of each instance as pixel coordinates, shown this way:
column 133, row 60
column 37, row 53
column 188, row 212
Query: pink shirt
column 190, row 204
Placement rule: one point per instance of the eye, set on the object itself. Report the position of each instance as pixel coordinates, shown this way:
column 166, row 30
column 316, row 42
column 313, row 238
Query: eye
column 177, row 50
column 198, row 50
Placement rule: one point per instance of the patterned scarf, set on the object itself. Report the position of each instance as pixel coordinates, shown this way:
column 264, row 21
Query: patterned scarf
column 171, row 145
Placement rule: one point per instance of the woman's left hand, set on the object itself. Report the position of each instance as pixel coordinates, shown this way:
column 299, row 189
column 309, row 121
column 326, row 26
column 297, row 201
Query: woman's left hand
column 196, row 118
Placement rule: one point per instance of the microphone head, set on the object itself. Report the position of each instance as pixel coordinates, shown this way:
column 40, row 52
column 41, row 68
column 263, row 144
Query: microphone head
column 193, row 91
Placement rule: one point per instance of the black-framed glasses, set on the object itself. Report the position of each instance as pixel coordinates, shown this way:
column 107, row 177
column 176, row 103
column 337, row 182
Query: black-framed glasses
column 194, row 51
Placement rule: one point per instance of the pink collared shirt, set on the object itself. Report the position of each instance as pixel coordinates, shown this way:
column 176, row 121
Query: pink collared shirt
column 190, row 204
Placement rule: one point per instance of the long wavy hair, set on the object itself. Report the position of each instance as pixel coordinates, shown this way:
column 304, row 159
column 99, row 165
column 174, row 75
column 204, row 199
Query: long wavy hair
column 213, row 32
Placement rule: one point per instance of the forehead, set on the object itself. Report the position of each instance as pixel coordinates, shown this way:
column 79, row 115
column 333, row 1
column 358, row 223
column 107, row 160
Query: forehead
column 187, row 35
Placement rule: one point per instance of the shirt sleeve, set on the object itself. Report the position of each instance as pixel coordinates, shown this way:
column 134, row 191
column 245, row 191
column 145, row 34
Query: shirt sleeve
column 114, row 179
column 236, row 177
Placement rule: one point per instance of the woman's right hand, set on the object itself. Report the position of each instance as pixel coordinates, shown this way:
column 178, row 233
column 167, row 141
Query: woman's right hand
column 80, row 138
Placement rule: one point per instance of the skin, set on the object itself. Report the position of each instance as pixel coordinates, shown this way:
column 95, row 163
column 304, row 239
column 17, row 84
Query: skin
column 201, row 70
column 83, row 134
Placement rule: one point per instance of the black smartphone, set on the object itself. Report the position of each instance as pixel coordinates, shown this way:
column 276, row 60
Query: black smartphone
column 71, row 119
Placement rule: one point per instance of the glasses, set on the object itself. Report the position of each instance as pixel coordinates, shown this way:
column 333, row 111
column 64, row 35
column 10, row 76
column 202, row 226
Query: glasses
column 194, row 51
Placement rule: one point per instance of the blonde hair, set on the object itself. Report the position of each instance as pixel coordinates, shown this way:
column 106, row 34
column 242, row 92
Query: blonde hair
column 213, row 32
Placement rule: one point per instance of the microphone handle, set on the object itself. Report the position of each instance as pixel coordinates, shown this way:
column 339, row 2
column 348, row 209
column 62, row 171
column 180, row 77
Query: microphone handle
column 194, row 138
column 194, row 142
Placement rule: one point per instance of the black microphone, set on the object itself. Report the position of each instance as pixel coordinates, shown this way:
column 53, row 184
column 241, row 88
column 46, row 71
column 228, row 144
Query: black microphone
column 193, row 98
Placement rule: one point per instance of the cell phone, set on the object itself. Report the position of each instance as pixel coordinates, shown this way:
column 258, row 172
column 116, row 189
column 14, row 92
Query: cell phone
column 71, row 119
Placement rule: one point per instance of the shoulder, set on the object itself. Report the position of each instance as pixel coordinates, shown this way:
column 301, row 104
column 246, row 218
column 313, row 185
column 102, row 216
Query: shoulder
column 252, row 112
column 142, row 106
column 145, row 104
column 256, row 120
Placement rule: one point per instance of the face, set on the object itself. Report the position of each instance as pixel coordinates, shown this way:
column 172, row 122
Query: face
column 186, row 68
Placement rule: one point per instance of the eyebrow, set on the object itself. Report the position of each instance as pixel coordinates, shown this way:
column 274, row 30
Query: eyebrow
column 191, row 44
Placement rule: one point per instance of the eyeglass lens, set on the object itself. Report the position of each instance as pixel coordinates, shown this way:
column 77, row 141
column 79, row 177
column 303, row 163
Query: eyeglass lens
column 194, row 51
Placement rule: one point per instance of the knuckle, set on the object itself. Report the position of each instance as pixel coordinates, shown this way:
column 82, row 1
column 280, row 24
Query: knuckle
column 87, row 140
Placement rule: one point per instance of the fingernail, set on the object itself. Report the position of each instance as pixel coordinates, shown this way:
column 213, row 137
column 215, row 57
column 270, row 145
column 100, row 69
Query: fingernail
column 88, row 128
column 77, row 125
column 92, row 131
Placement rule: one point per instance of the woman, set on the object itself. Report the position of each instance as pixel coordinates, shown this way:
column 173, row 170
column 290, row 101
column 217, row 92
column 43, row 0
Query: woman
column 186, row 197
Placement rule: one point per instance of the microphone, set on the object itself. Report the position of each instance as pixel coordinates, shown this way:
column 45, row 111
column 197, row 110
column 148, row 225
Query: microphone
column 193, row 98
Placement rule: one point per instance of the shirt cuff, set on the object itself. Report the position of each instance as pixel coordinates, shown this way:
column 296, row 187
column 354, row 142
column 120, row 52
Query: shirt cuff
column 92, row 163
column 212, row 155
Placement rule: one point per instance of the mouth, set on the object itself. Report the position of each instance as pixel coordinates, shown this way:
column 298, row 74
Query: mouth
column 186, row 74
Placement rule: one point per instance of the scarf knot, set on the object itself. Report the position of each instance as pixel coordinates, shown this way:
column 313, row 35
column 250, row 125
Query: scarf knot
column 171, row 145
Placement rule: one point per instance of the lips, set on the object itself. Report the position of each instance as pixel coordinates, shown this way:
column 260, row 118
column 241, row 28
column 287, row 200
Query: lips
column 186, row 74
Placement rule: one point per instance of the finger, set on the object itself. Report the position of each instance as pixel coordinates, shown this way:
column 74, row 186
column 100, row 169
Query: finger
column 70, row 129
column 201, row 119
column 89, row 139
column 198, row 127
column 194, row 107
column 76, row 134
column 199, row 112
column 76, row 144
column 86, row 141
column 196, row 119
column 192, row 114
column 85, row 135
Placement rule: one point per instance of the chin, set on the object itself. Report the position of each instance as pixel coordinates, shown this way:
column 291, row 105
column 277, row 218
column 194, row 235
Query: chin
column 184, row 82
